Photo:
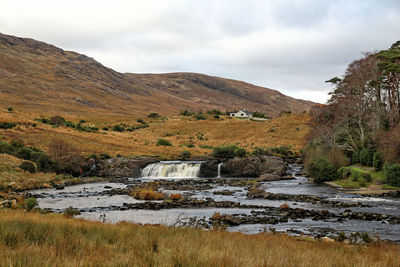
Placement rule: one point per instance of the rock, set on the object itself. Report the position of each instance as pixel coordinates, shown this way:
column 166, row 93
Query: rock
column 121, row 167
column 265, row 167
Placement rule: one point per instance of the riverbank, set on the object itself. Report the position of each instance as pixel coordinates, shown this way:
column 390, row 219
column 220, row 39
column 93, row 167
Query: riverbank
column 44, row 240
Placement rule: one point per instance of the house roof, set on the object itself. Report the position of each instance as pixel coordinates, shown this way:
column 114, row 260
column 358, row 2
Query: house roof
column 247, row 112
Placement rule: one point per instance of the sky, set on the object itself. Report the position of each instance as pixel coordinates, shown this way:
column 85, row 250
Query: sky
column 291, row 46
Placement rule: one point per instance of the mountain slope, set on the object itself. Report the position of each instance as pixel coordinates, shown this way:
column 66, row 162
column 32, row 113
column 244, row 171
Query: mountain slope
column 41, row 78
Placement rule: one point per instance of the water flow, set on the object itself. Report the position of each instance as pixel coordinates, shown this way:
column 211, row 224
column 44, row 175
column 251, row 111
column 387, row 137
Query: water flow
column 172, row 169
column 219, row 170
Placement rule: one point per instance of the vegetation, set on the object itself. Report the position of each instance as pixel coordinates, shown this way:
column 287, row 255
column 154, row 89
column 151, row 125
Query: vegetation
column 360, row 124
column 392, row 174
column 28, row 166
column 147, row 194
column 322, row 170
column 228, row 152
column 30, row 203
column 52, row 240
column 186, row 113
column 163, row 142
column 7, row 125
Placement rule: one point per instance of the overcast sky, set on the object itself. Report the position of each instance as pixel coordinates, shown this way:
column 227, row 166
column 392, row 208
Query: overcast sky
column 290, row 46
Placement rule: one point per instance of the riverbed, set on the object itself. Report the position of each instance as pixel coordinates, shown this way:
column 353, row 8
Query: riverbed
column 323, row 217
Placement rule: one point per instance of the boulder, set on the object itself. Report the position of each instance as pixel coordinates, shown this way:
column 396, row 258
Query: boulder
column 121, row 167
column 265, row 167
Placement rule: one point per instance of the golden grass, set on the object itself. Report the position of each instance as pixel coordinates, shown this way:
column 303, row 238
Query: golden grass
column 14, row 178
column 147, row 194
column 180, row 131
column 30, row 239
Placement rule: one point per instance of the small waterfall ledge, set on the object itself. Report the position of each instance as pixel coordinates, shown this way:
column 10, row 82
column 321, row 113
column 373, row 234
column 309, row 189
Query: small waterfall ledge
column 172, row 169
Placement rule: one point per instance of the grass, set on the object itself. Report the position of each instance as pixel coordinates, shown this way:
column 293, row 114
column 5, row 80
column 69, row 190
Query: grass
column 225, row 131
column 14, row 178
column 52, row 240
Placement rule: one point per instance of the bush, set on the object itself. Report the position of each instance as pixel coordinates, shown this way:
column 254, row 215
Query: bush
column 24, row 153
column 6, row 148
column 118, row 128
column 186, row 154
column 147, row 194
column 57, row 120
column 186, row 113
column 321, row 169
column 344, row 172
column 392, row 174
column 175, row 196
column 377, row 161
column 153, row 115
column 362, row 182
column 356, row 175
column 10, row 109
column 163, row 142
column 28, row 166
column 367, row 156
column 30, row 203
column 283, row 150
column 7, row 125
column 105, row 156
column 228, row 152
column 259, row 115
column 355, row 158
column 71, row 212
column 141, row 121
column 199, row 116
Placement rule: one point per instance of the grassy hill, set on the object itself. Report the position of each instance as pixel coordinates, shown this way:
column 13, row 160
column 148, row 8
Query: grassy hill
column 38, row 77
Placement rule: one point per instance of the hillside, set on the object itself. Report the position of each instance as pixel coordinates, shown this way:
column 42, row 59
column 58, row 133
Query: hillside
column 40, row 78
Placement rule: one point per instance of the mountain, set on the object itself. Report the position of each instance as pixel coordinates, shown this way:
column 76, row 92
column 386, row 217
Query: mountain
column 41, row 78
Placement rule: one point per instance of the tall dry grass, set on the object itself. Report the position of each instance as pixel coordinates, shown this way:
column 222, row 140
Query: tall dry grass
column 30, row 239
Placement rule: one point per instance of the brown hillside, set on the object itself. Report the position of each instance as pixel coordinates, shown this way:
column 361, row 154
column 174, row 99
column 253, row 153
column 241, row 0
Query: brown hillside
column 40, row 78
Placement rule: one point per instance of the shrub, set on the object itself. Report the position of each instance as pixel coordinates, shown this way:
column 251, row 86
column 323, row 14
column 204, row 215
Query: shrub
column 30, row 203
column 392, row 174
column 224, row 152
column 259, row 151
column 118, row 128
column 283, row 150
column 7, row 125
column 186, row 154
column 104, row 156
column 6, row 148
column 163, row 142
column 10, row 109
column 186, row 113
column 199, row 116
column 141, row 121
column 367, row 156
column 357, row 174
column 71, row 212
column 105, row 129
column 362, row 182
column 321, row 169
column 153, row 115
column 259, row 115
column 240, row 152
column 57, row 120
column 147, row 194
column 28, row 166
column 344, row 172
column 24, row 153
column 377, row 161
column 355, row 157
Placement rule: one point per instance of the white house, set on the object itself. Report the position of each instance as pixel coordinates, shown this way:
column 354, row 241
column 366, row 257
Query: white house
column 242, row 114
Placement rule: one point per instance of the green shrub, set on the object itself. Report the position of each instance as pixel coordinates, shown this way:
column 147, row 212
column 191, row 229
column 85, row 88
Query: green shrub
column 344, row 172
column 321, row 169
column 392, row 174
column 28, row 166
column 357, row 174
column 228, row 152
column 105, row 156
column 367, row 156
column 283, row 150
column 141, row 121
column 57, row 120
column 24, row 153
column 153, row 115
column 186, row 154
column 7, row 125
column 6, row 148
column 30, row 203
column 377, row 161
column 355, row 157
column 190, row 145
column 186, row 113
column 118, row 128
column 259, row 115
column 163, row 142
column 10, row 109
column 362, row 182
column 199, row 116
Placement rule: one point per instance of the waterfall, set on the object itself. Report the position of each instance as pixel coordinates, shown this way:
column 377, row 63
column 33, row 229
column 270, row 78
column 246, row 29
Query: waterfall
column 219, row 169
column 172, row 169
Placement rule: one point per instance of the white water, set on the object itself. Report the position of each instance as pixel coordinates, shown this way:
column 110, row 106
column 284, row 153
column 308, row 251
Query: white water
column 219, row 170
column 172, row 169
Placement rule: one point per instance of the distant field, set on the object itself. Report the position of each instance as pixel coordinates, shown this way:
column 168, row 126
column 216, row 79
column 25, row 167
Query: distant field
column 29, row 239
column 184, row 133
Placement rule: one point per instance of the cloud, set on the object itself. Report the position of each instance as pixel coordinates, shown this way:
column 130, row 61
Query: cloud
column 291, row 46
